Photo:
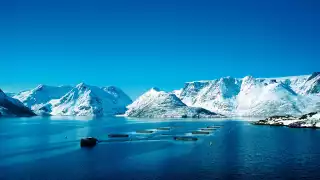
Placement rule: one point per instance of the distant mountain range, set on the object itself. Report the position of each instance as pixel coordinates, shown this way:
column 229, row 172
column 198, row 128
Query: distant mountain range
column 159, row 104
column 82, row 100
column 251, row 96
column 248, row 96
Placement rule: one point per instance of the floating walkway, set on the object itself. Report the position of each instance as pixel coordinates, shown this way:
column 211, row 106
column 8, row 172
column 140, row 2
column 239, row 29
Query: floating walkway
column 156, row 136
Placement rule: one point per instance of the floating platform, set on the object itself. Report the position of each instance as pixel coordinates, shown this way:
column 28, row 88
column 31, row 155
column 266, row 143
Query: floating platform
column 207, row 129
column 164, row 128
column 214, row 127
column 88, row 142
column 200, row 132
column 167, row 134
column 118, row 135
column 185, row 138
column 145, row 131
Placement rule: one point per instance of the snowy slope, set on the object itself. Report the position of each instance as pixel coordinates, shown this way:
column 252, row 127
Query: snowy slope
column 216, row 95
column 159, row 104
column 251, row 96
column 86, row 100
column 41, row 95
column 12, row 107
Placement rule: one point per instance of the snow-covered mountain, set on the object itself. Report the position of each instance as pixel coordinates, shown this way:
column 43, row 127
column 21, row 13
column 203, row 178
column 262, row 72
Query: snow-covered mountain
column 41, row 95
column 159, row 104
column 251, row 96
column 86, row 100
column 82, row 100
column 12, row 107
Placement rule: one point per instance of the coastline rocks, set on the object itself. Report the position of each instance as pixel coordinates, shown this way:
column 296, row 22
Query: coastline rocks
column 296, row 124
column 260, row 122
column 310, row 120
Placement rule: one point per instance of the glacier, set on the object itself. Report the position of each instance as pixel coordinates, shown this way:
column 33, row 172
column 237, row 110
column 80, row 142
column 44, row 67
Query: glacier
column 159, row 104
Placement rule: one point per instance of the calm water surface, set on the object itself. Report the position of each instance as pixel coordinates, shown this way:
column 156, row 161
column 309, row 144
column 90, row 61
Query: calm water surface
column 48, row 148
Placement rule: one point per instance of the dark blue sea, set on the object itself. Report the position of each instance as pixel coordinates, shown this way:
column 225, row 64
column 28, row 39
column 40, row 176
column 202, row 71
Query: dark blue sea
column 48, row 148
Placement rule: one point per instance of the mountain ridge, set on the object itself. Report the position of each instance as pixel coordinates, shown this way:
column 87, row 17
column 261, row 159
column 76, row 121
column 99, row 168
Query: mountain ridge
column 251, row 96
column 12, row 107
column 81, row 100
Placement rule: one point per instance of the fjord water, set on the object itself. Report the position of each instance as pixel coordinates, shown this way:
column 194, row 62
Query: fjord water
column 48, row 148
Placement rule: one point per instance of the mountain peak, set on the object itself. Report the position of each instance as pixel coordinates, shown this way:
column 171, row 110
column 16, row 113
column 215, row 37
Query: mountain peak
column 251, row 96
column 155, row 89
column 81, row 85
column 313, row 75
column 12, row 107
column 40, row 87
column 248, row 78
column 87, row 100
column 2, row 94
column 164, row 105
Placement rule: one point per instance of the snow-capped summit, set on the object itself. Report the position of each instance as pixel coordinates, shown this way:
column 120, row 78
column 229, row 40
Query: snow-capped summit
column 312, row 84
column 216, row 95
column 12, row 107
column 81, row 100
column 87, row 100
column 251, row 96
column 159, row 104
column 264, row 98
column 42, row 94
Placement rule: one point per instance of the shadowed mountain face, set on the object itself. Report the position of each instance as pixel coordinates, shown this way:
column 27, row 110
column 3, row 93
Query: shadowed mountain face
column 12, row 107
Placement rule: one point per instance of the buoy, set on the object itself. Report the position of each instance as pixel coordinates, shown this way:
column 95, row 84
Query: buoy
column 164, row 128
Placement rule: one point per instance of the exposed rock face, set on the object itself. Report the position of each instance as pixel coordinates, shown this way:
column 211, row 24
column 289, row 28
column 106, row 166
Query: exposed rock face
column 12, row 107
column 159, row 104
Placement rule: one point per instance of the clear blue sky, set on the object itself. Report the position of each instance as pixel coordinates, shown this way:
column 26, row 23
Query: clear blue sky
column 137, row 44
